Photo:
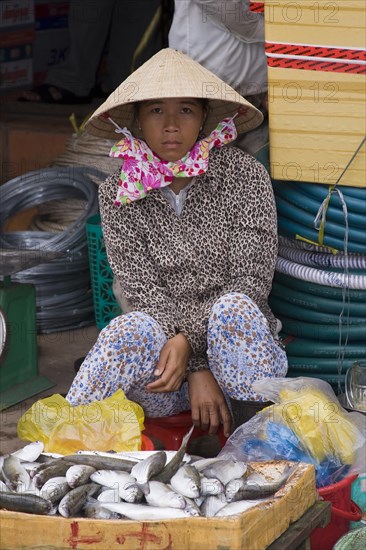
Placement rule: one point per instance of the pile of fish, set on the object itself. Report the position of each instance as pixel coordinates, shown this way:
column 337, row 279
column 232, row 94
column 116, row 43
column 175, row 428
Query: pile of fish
column 107, row 486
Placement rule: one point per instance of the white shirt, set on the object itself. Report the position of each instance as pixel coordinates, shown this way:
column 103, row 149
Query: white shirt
column 226, row 38
column 177, row 200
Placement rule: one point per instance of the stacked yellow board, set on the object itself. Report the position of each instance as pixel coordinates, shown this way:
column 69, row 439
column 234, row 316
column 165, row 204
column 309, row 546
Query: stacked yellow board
column 316, row 79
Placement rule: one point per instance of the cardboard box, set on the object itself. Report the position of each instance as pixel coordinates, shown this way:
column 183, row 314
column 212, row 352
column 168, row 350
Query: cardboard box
column 339, row 23
column 51, row 14
column 16, row 12
column 257, row 528
column 16, row 74
column 16, row 65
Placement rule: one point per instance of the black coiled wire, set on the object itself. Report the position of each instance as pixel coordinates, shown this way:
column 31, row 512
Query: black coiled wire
column 64, row 297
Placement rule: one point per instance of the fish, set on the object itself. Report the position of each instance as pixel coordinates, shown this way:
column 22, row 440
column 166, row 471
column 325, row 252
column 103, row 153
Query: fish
column 75, row 499
column 32, row 488
column 3, row 487
column 211, row 486
column 174, row 464
column 101, row 462
column 138, row 456
column 146, row 469
column 30, row 504
column 30, row 467
column 55, row 489
column 95, row 509
column 161, row 495
column 192, row 507
column 79, row 474
column 125, row 483
column 226, row 470
column 255, row 477
column 33, row 491
column 153, row 485
column 142, row 512
column 233, row 487
column 48, row 457
column 254, row 487
column 30, row 452
column 16, row 477
column 109, row 495
column 54, row 469
column 212, row 504
column 199, row 500
column 187, row 481
column 201, row 463
column 40, row 466
column 239, row 507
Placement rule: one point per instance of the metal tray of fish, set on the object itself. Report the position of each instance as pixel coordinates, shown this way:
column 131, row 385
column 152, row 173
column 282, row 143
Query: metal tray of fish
column 166, row 499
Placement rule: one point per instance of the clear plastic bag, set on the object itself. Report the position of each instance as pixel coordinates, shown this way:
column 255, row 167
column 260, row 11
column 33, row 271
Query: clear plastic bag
column 305, row 424
column 112, row 424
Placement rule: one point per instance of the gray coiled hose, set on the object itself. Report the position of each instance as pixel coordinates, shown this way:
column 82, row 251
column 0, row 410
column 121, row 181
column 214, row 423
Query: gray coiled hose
column 325, row 261
column 64, row 298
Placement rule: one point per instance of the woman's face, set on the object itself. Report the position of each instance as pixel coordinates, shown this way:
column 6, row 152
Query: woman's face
column 171, row 126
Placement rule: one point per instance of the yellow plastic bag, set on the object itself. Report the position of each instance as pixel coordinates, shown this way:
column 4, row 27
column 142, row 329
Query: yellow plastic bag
column 310, row 408
column 319, row 423
column 114, row 424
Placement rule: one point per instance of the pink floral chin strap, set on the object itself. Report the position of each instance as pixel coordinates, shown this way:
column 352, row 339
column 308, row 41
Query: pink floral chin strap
column 143, row 171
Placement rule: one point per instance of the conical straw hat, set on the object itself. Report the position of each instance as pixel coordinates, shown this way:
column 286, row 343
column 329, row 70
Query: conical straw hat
column 168, row 74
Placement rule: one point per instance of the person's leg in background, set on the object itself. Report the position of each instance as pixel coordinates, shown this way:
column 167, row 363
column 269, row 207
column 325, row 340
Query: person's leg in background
column 72, row 81
column 92, row 25
column 129, row 22
column 89, row 24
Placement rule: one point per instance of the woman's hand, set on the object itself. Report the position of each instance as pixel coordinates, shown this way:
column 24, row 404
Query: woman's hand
column 172, row 365
column 208, row 403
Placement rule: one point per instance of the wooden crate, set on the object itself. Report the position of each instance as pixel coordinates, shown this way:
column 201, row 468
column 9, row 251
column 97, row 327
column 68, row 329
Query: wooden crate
column 255, row 529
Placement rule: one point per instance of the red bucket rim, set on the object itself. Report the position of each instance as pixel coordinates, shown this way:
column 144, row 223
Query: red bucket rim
column 183, row 418
column 334, row 487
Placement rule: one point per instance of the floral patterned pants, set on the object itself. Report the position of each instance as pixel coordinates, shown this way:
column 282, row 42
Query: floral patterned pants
column 240, row 349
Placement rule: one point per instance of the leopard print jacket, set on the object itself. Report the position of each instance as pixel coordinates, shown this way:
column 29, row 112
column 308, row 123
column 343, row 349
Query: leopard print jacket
column 175, row 268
